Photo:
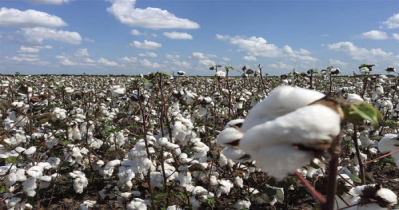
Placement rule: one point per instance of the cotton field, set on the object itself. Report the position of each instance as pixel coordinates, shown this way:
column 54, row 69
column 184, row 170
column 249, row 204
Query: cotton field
column 311, row 140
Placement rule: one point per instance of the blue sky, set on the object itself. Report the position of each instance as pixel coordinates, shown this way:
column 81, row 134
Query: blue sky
column 132, row 37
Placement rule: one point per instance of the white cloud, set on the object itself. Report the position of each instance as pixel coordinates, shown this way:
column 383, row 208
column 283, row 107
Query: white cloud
column 148, row 54
column 28, row 18
column 226, row 59
column 375, row 34
column 170, row 56
column 89, row 40
column 67, row 62
column 75, row 60
column 33, row 49
column 199, row 55
column 358, row 53
column 147, row 63
column 38, row 35
column 393, row 21
column 207, row 62
column 49, row 1
column 258, row 47
column 249, row 58
column 178, row 35
column 25, row 58
column 337, row 62
column 222, row 37
column 106, row 62
column 154, row 35
column 395, row 36
column 150, row 17
column 82, row 52
column 135, row 32
column 128, row 60
column 204, row 59
column 280, row 65
column 149, row 45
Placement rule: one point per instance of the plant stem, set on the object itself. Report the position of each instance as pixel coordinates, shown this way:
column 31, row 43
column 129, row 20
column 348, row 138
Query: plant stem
column 386, row 155
column 361, row 166
column 319, row 198
column 332, row 175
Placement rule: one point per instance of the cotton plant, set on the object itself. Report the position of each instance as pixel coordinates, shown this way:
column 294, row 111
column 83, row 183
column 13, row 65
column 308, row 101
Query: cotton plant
column 291, row 119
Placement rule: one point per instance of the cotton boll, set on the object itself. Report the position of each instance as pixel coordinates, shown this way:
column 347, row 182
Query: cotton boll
column 29, row 186
column 87, row 204
column 174, row 207
column 242, row 204
column 305, row 126
column 388, row 144
column 238, row 182
column 282, row 100
column 137, row 204
column 80, row 181
column 224, row 188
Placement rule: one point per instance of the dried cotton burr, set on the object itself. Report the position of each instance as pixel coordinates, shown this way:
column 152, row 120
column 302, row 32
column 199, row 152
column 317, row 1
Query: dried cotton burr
column 285, row 131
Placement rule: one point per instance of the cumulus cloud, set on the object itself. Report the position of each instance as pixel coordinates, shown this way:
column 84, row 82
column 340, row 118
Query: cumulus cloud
column 226, row 59
column 65, row 60
column 33, row 49
column 392, row 22
column 49, row 1
column 148, row 54
column 154, row 18
column 149, row 45
column 128, row 60
column 204, row 59
column 89, row 40
column 280, row 65
column 135, row 32
column 249, row 58
column 29, row 18
column 170, row 56
column 259, row 47
column 395, row 36
column 337, row 62
column 39, row 34
column 178, row 35
column 147, row 63
column 375, row 34
column 106, row 62
column 358, row 53
column 82, row 52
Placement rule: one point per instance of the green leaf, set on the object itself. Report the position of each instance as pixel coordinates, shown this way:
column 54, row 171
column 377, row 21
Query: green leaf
column 158, row 197
column 356, row 113
column 330, row 67
column 14, row 160
column 2, row 189
column 229, row 68
column 355, row 178
column 65, row 142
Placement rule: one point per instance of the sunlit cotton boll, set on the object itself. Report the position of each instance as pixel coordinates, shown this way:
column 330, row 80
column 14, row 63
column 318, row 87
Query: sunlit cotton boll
column 287, row 120
column 389, row 143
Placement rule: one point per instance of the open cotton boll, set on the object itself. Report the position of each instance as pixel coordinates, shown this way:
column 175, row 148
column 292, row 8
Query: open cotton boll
column 388, row 144
column 270, row 143
column 224, row 187
column 137, row 204
column 29, row 186
column 87, row 204
column 174, row 207
column 281, row 100
column 80, row 181
column 242, row 204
